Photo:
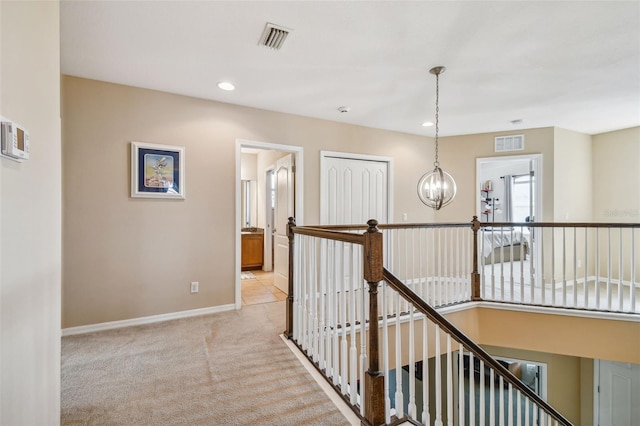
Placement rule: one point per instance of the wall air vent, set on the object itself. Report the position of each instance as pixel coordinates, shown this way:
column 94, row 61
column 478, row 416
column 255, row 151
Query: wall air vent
column 509, row 143
column 274, row 36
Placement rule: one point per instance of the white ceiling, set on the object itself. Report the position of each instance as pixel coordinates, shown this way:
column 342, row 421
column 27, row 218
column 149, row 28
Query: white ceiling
column 569, row 64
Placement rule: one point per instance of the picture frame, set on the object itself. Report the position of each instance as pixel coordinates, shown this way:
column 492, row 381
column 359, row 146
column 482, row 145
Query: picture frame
column 157, row 171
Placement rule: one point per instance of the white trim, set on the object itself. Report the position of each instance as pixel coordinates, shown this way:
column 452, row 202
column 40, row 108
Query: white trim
column 364, row 157
column 84, row 329
column 616, row 316
column 298, row 153
column 346, row 411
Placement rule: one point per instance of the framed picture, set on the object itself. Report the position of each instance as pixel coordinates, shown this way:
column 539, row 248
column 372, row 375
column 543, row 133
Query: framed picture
column 157, row 171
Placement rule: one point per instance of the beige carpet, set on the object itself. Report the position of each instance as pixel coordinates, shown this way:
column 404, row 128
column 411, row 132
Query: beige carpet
column 230, row 368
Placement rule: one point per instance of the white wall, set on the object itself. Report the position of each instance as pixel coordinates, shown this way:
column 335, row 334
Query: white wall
column 30, row 217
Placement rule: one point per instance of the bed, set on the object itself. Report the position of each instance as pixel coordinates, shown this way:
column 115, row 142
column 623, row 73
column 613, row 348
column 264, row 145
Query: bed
column 499, row 244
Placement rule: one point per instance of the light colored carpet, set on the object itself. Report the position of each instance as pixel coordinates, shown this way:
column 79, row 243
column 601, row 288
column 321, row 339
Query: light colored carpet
column 230, row 368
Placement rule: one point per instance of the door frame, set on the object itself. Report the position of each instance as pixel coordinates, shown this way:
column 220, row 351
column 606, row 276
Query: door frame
column 298, row 155
column 361, row 157
column 536, row 159
column 268, row 233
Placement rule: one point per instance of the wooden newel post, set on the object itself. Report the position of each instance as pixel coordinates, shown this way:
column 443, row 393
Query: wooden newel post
column 289, row 326
column 475, row 275
column 374, row 379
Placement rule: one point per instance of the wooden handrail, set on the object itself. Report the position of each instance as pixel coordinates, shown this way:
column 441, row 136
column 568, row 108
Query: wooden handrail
column 318, row 232
column 478, row 352
column 557, row 225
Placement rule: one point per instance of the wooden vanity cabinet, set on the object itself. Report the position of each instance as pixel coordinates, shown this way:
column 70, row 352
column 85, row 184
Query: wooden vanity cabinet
column 252, row 251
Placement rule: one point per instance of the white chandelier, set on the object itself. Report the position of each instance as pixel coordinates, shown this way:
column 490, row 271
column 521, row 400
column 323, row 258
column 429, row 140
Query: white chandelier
column 437, row 188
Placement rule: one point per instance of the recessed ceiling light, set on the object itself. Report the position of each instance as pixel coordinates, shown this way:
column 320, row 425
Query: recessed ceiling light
column 225, row 85
column 344, row 109
column 427, row 124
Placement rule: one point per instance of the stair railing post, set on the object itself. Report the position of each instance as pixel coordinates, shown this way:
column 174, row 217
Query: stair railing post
column 374, row 378
column 475, row 275
column 289, row 326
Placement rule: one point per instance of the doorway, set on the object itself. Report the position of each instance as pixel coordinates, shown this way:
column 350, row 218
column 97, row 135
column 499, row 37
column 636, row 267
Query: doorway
column 266, row 160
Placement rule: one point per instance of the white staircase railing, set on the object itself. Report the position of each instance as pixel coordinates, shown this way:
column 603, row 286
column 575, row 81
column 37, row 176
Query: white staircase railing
column 339, row 288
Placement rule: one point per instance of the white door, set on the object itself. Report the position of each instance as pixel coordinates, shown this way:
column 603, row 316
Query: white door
column 619, row 396
column 284, row 175
column 353, row 190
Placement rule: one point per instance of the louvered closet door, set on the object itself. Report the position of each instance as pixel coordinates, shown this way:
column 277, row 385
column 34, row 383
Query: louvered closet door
column 354, row 191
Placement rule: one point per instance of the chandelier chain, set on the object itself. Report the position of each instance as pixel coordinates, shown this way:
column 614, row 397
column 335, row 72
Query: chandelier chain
column 436, row 163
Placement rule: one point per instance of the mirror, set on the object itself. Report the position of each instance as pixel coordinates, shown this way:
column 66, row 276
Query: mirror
column 249, row 203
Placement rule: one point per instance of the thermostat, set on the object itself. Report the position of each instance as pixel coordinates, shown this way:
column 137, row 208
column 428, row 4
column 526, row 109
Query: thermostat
column 15, row 141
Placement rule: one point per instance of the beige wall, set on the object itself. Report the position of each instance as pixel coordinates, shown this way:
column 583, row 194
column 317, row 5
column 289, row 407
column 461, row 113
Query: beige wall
column 616, row 176
column 128, row 258
column 30, row 216
column 572, row 189
column 458, row 156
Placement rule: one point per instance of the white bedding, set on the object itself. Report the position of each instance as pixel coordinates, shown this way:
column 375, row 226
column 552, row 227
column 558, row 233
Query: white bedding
column 501, row 237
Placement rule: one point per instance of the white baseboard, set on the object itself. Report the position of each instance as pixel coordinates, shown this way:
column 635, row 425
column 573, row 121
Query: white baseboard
column 83, row 329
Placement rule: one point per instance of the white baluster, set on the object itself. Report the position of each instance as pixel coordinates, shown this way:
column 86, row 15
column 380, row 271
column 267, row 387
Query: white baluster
column 364, row 361
column 575, row 269
column 472, row 390
column 609, row 268
column 502, row 250
column 307, row 300
column 532, row 262
column 519, row 408
column 493, row 263
column 586, row 268
column 620, row 276
column 412, row 367
column 492, row 396
column 522, row 256
column 501, row 383
column 526, row 412
column 353, row 351
column 482, row 400
column 333, row 291
column 314, row 306
column 344, row 353
column 297, row 264
column 632, row 286
column 564, row 267
column 511, row 283
column 461, row 416
column 449, row 383
column 385, row 355
column 324, row 321
column 426, row 415
column 553, row 266
column 399, row 400
column 510, row 405
column 597, row 283
column 438, row 387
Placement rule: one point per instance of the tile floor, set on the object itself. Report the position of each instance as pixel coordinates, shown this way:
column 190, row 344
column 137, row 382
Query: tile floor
column 260, row 289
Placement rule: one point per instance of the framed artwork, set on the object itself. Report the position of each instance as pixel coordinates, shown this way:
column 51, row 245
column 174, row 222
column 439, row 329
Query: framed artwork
column 157, row 171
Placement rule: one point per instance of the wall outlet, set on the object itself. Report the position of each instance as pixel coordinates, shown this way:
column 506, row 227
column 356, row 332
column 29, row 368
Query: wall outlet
column 405, row 217
column 579, row 263
column 195, row 286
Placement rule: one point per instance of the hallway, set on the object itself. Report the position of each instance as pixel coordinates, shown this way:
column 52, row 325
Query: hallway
column 257, row 287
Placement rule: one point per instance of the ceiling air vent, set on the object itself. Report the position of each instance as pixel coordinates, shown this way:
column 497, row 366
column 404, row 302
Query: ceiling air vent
column 510, row 143
column 274, row 36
